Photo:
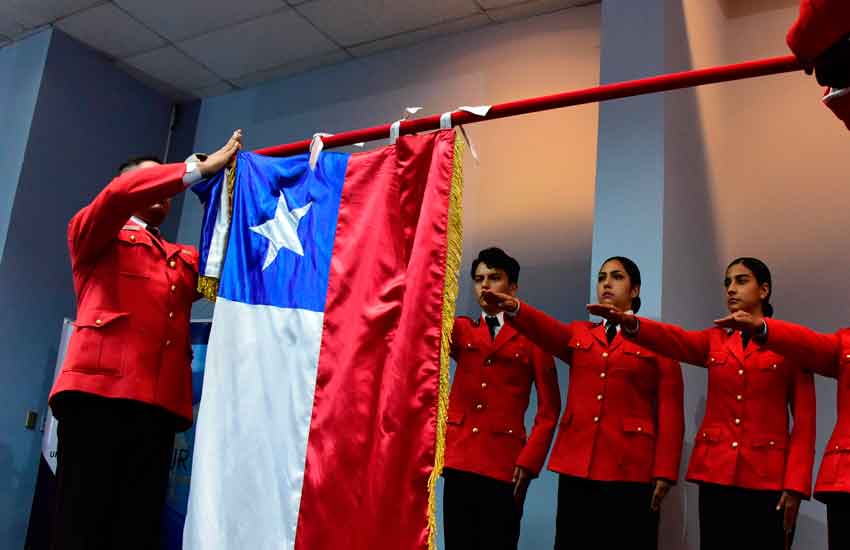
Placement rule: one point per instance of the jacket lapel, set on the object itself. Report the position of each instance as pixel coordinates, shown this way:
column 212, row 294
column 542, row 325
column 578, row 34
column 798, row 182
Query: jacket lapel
column 735, row 345
column 505, row 334
column 482, row 334
column 598, row 332
column 171, row 250
column 159, row 243
column 752, row 347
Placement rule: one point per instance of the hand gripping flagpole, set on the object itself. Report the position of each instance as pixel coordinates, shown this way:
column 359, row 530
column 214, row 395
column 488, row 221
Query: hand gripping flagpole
column 605, row 92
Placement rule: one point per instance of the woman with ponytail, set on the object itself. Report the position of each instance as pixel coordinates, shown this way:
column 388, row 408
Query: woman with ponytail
column 827, row 355
column 619, row 443
column 752, row 466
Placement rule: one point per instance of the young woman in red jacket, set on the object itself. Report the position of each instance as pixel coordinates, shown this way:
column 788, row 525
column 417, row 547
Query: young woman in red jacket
column 827, row 355
column 753, row 468
column 619, row 444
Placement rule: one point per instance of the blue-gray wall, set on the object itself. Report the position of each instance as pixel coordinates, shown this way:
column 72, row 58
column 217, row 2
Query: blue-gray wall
column 21, row 66
column 87, row 118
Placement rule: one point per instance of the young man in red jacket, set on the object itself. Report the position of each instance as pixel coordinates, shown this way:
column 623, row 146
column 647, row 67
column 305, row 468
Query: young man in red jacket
column 125, row 387
column 489, row 462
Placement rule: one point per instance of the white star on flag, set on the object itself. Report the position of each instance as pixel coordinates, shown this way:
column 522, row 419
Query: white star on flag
column 282, row 230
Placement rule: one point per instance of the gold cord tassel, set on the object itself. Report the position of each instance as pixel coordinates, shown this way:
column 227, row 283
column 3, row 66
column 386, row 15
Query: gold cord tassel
column 208, row 285
column 454, row 250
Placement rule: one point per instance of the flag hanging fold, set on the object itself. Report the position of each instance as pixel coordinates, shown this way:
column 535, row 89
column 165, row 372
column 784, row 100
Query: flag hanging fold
column 322, row 418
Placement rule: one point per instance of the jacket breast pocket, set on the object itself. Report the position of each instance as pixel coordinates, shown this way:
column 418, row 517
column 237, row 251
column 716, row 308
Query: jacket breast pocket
column 717, row 359
column 188, row 267
column 134, row 252
column 470, row 348
column 636, row 359
column 772, row 363
column 580, row 348
column 97, row 346
column 454, row 418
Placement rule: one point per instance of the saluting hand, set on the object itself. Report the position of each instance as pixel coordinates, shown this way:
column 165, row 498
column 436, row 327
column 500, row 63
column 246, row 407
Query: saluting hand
column 662, row 487
column 626, row 321
column 521, row 480
column 221, row 158
column 740, row 320
column 790, row 504
column 504, row 301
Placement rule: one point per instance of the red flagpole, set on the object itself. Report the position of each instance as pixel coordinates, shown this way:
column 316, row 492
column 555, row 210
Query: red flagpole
column 605, row 92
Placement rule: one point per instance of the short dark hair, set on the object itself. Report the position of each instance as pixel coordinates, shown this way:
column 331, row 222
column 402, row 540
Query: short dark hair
column 634, row 276
column 762, row 275
column 135, row 161
column 496, row 258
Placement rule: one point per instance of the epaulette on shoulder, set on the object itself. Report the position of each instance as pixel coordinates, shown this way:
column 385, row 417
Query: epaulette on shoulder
column 473, row 321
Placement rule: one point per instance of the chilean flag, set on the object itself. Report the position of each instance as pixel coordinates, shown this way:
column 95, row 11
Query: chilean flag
column 321, row 420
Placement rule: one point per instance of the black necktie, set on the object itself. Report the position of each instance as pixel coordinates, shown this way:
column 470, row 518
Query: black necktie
column 492, row 324
column 745, row 339
column 610, row 331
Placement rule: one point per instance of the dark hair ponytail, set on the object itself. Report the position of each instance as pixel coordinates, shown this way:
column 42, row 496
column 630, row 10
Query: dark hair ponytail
column 762, row 275
column 634, row 276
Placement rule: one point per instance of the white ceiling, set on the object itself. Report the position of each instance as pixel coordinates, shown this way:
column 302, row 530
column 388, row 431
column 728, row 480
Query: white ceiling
column 200, row 48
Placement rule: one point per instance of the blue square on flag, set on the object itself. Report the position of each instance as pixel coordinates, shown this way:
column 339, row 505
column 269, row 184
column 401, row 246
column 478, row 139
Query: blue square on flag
column 283, row 229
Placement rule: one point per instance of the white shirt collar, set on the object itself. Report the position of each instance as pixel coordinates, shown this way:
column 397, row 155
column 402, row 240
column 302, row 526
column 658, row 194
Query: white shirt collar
column 139, row 221
column 500, row 316
column 605, row 324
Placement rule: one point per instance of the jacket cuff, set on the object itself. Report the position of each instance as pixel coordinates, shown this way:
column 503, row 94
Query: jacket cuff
column 533, row 469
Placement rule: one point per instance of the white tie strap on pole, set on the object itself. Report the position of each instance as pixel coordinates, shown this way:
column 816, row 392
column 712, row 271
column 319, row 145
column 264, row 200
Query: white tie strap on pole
column 395, row 128
column 446, row 123
column 316, row 147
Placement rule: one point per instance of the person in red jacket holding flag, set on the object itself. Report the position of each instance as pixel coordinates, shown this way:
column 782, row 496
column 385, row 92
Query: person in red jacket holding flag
column 619, row 445
column 125, row 386
column 752, row 466
column 820, row 39
column 827, row 355
column 489, row 458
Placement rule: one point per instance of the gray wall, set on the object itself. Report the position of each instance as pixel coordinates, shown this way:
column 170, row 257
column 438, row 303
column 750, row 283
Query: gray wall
column 21, row 66
column 87, row 119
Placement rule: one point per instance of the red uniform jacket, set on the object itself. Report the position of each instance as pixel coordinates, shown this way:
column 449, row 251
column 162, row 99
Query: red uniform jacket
column 623, row 420
column 827, row 355
column 134, row 297
column 821, row 24
column 485, row 431
column 744, row 440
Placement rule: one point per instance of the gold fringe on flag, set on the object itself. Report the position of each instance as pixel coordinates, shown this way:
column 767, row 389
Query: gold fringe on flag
column 454, row 250
column 208, row 285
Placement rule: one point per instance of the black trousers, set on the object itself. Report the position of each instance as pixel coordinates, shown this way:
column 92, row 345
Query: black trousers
column 732, row 518
column 605, row 515
column 113, row 464
column 838, row 520
column 479, row 512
